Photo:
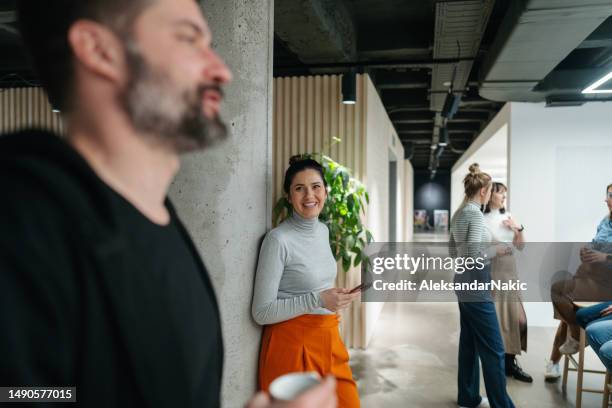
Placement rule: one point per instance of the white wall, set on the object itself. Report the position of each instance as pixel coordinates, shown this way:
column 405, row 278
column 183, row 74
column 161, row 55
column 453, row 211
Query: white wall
column 408, row 201
column 560, row 164
column 380, row 138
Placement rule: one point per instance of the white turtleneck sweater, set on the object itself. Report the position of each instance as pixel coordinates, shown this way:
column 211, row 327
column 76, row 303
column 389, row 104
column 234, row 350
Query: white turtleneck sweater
column 295, row 264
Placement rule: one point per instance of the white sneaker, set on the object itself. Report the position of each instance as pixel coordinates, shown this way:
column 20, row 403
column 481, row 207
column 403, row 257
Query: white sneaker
column 570, row 346
column 484, row 403
column 553, row 371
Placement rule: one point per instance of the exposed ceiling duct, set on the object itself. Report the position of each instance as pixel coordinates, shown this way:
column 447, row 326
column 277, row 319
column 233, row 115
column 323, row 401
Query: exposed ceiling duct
column 534, row 38
column 459, row 28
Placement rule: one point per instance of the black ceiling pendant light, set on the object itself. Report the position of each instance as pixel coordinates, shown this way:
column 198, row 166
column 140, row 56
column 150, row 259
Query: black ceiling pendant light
column 349, row 87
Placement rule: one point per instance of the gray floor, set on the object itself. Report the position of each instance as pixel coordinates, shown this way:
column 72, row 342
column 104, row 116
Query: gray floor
column 411, row 362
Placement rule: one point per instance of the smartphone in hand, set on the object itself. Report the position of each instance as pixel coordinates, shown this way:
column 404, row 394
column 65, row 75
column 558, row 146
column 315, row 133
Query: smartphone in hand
column 362, row 287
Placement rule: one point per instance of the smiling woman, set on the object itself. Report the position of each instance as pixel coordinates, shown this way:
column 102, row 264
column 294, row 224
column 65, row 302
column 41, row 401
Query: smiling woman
column 305, row 187
column 294, row 295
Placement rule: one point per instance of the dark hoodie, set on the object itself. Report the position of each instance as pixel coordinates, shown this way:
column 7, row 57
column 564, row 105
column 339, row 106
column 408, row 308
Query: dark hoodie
column 81, row 304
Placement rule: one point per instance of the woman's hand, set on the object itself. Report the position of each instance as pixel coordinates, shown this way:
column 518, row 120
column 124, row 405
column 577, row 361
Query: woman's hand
column 336, row 299
column 511, row 224
column 503, row 250
column 592, row 256
column 607, row 311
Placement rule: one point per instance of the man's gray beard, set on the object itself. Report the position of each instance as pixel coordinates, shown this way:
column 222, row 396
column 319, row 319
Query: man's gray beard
column 167, row 117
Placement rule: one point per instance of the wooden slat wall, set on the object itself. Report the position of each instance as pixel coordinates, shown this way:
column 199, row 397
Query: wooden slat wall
column 27, row 107
column 308, row 112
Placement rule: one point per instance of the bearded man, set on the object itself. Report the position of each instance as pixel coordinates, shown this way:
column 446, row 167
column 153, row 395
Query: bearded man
column 100, row 285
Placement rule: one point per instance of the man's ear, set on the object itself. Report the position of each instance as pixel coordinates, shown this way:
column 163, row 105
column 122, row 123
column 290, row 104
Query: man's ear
column 98, row 49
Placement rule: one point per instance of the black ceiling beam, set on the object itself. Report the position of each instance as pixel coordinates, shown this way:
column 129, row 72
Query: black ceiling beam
column 409, row 63
column 418, row 126
column 458, row 134
column 479, row 109
column 409, row 79
column 412, row 114
column 465, row 120
column 471, row 115
column 412, row 121
column 400, row 97
column 415, row 132
column 469, row 126
column 478, row 102
column 404, row 85
column 393, row 35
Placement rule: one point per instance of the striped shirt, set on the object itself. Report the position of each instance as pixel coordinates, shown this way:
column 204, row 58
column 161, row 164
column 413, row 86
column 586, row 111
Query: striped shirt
column 469, row 236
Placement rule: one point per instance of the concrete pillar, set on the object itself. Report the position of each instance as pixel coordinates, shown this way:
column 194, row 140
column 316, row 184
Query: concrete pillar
column 224, row 195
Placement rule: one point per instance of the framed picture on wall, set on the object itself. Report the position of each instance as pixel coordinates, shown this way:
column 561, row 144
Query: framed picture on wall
column 420, row 219
column 441, row 220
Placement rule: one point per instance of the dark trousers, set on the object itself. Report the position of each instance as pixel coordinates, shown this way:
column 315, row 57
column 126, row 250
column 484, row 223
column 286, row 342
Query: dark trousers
column 480, row 338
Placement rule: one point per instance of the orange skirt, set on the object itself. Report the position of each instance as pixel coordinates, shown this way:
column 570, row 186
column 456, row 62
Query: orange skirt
column 308, row 343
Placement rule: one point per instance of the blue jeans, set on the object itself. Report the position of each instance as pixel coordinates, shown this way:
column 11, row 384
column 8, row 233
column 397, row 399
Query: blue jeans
column 599, row 334
column 480, row 337
column 598, row 331
column 588, row 315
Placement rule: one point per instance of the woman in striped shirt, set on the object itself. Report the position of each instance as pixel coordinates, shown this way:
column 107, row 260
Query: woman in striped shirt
column 480, row 335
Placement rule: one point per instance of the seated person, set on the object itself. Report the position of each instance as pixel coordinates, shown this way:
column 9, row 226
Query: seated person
column 592, row 282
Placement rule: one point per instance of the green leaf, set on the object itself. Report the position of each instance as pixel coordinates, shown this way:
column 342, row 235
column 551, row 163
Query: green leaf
column 346, row 263
column 350, row 241
column 357, row 259
column 369, row 236
column 345, row 179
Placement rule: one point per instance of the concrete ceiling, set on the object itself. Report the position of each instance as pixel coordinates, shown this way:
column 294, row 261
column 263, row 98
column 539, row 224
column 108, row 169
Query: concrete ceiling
column 496, row 51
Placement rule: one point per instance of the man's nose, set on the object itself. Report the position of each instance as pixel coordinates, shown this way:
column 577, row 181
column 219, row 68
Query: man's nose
column 217, row 71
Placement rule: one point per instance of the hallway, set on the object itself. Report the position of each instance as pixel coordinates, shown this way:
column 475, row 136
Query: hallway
column 411, row 360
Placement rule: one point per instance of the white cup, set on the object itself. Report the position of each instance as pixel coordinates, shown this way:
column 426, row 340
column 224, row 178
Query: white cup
column 287, row 387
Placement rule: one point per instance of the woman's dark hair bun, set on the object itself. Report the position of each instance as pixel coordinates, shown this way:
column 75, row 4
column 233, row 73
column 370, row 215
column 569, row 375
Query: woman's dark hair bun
column 299, row 163
column 295, row 158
